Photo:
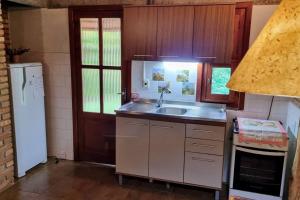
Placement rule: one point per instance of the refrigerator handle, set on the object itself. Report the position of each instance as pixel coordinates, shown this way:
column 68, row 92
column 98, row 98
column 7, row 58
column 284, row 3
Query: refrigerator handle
column 24, row 84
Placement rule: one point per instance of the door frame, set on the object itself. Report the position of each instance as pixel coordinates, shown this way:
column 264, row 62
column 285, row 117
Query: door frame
column 74, row 76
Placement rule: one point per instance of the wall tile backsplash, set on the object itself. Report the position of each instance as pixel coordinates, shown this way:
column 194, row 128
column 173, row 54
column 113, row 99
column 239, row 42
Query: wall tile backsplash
column 148, row 77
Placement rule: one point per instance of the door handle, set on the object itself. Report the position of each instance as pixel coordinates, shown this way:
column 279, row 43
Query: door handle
column 137, row 124
column 146, row 55
column 209, row 81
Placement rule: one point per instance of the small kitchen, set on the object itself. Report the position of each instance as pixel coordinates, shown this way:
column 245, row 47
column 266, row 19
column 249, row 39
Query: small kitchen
column 150, row 100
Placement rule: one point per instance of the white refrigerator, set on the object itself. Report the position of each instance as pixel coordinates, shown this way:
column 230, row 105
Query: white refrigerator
column 28, row 115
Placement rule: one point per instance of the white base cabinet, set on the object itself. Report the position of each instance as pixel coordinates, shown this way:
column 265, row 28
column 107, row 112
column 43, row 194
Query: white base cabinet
column 132, row 146
column 166, row 153
column 190, row 154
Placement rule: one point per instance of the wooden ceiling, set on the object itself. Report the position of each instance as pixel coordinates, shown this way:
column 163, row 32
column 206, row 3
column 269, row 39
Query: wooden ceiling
column 66, row 3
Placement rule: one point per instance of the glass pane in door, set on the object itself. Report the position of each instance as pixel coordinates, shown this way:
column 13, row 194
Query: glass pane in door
column 220, row 77
column 91, row 90
column 111, row 30
column 89, row 34
column 111, row 90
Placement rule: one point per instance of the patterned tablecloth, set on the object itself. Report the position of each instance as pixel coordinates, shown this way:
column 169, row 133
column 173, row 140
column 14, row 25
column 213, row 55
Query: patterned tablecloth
column 262, row 132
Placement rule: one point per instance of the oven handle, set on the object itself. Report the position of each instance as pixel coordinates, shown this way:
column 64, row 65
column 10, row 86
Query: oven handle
column 264, row 153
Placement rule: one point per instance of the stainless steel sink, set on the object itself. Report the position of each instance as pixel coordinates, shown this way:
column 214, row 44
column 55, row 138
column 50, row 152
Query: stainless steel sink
column 171, row 111
column 141, row 107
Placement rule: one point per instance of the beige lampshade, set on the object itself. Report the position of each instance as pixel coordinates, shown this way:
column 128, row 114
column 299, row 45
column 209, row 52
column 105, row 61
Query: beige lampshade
column 272, row 64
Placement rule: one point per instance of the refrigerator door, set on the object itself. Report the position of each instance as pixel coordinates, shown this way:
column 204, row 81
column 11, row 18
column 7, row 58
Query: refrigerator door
column 29, row 117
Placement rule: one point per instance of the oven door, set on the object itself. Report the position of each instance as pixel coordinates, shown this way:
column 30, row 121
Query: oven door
column 258, row 171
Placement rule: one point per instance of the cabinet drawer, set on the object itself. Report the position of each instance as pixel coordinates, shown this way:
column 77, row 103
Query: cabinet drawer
column 204, row 146
column 205, row 132
column 203, row 169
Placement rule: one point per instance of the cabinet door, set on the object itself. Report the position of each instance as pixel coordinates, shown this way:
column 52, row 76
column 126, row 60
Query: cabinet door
column 242, row 22
column 140, row 28
column 166, row 157
column 213, row 33
column 132, row 146
column 175, row 32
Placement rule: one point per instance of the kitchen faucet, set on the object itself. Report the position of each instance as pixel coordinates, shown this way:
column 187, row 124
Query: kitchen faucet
column 161, row 98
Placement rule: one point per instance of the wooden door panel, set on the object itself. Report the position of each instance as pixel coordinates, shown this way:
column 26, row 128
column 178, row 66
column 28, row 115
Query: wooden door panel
column 140, row 27
column 239, row 23
column 175, row 32
column 242, row 24
column 213, row 33
column 98, row 140
column 94, row 122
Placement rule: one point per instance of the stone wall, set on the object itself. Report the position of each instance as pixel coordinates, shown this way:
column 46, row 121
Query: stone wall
column 6, row 141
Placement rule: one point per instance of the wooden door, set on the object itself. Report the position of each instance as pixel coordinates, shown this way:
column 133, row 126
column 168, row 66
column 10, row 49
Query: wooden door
column 175, row 32
column 213, row 33
column 166, row 156
column 96, row 81
column 140, row 28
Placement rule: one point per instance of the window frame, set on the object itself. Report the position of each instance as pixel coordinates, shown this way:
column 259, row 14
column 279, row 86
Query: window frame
column 101, row 67
column 232, row 100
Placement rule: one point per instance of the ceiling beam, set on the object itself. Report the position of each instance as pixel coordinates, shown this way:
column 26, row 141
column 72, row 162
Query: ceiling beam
column 33, row 3
column 66, row 3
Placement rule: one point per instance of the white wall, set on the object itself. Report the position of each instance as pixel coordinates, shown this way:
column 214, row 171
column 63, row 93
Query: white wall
column 56, row 55
column 56, row 58
column 45, row 32
column 293, row 117
column 141, row 71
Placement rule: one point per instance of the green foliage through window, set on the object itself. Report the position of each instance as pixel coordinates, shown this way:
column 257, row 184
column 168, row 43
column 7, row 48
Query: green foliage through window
column 220, row 77
column 91, row 90
column 89, row 41
column 111, row 30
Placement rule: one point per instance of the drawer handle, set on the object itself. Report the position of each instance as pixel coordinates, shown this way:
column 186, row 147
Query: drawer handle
column 203, row 145
column 201, row 130
column 161, row 126
column 137, row 124
column 169, row 56
column 143, row 55
column 206, row 57
column 202, row 159
column 126, row 136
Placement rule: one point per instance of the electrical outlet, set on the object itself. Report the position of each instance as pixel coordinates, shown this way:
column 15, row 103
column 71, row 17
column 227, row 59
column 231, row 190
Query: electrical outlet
column 146, row 83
